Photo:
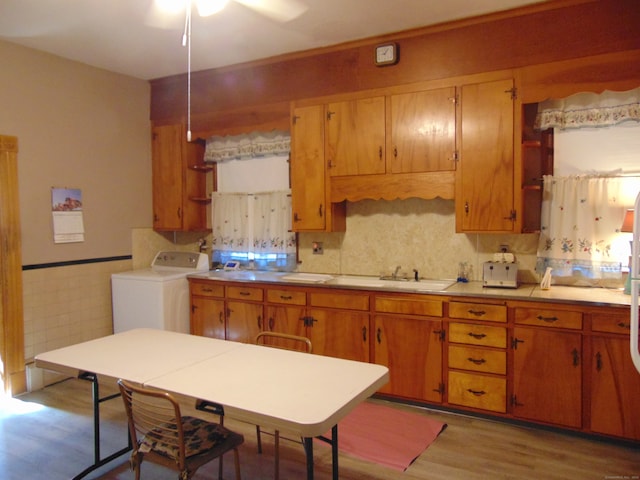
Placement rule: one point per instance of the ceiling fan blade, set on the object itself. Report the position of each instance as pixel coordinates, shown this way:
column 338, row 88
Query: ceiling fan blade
column 280, row 10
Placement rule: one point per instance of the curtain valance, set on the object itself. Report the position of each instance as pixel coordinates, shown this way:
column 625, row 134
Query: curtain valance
column 589, row 110
column 251, row 145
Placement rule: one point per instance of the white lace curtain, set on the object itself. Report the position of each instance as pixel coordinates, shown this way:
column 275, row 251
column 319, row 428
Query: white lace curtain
column 258, row 223
column 589, row 110
column 580, row 221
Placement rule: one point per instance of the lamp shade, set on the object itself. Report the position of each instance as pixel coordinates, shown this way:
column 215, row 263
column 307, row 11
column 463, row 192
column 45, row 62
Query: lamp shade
column 627, row 224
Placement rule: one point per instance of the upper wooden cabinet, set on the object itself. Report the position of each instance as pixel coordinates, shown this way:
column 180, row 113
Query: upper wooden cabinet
column 485, row 178
column 179, row 181
column 423, row 131
column 356, row 137
column 310, row 207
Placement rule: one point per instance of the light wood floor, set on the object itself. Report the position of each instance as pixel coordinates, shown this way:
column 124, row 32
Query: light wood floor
column 56, row 442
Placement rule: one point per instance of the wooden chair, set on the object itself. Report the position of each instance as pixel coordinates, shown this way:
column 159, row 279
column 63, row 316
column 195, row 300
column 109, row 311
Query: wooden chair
column 184, row 444
column 286, row 342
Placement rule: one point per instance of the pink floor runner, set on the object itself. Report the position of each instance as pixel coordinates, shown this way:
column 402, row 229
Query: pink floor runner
column 386, row 436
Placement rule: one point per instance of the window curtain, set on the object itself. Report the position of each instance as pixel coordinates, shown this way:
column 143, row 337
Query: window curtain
column 580, row 222
column 254, row 227
column 589, row 110
column 251, row 145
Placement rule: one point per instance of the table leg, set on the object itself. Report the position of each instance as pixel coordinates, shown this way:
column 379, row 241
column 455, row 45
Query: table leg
column 98, row 461
column 334, row 451
column 308, row 450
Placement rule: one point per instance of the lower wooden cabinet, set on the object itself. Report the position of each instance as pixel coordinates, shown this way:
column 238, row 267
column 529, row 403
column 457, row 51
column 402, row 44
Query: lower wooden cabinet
column 412, row 350
column 547, row 376
column 563, row 365
column 474, row 390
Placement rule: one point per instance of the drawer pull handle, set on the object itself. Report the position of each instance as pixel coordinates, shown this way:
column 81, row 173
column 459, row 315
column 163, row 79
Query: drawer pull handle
column 477, row 361
column 477, row 313
column 207, row 289
column 477, row 336
column 624, row 325
column 547, row 319
column 245, row 294
column 285, row 297
column 477, row 393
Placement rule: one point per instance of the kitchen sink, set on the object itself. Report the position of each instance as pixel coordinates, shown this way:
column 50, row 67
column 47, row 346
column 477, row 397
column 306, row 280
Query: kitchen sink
column 424, row 285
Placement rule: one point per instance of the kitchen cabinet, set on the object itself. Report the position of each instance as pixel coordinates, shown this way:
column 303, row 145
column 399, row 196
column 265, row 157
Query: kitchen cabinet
column 615, row 383
column 547, row 366
column 551, row 362
column 179, row 181
column 231, row 312
column 336, row 322
column 244, row 313
column 423, row 131
column 356, row 137
column 408, row 338
column 310, row 207
column 207, row 309
column 476, row 356
column 485, row 174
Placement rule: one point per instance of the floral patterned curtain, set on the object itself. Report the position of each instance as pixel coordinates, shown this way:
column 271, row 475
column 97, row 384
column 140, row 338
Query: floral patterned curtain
column 251, row 145
column 257, row 223
column 589, row 110
column 581, row 219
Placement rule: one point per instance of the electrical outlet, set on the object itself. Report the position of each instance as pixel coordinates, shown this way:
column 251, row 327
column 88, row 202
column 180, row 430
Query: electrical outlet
column 317, row 248
column 504, row 248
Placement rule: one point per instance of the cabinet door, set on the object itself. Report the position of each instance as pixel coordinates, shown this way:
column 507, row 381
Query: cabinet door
column 244, row 321
column 339, row 333
column 356, row 137
column 615, row 389
column 547, row 376
column 485, row 175
column 283, row 319
column 308, row 201
column 167, row 177
column 207, row 317
column 423, row 131
column 412, row 350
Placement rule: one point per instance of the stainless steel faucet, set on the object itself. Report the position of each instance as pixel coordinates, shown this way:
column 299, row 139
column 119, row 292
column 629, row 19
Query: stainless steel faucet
column 395, row 273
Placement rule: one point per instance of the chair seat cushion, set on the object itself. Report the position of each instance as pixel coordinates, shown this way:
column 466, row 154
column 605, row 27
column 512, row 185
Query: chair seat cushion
column 199, row 436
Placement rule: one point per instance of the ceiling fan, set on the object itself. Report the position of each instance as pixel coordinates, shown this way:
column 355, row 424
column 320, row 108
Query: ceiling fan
column 163, row 12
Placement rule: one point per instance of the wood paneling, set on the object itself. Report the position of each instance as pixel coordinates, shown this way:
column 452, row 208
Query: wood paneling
column 552, row 32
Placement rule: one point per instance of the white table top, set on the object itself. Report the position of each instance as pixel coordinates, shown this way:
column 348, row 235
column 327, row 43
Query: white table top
column 137, row 355
column 301, row 393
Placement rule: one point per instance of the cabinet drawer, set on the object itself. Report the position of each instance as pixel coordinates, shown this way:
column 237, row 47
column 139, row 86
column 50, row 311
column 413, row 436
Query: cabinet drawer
column 614, row 323
column 478, row 311
column 473, row 334
column 288, row 297
column 245, row 293
column 207, row 289
column 478, row 391
column 430, row 308
column 549, row 318
column 347, row 301
column 478, row 359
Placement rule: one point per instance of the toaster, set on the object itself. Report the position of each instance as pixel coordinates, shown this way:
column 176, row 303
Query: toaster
column 500, row 274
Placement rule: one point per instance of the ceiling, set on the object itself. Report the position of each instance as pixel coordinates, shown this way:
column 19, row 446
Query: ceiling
column 115, row 34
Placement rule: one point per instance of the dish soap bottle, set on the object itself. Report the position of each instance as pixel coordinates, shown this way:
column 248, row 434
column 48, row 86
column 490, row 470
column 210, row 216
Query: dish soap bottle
column 545, row 284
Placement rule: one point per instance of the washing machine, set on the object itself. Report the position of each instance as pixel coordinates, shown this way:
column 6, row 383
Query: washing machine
column 158, row 296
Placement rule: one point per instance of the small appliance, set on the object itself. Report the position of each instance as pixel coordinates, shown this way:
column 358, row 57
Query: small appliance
column 501, row 272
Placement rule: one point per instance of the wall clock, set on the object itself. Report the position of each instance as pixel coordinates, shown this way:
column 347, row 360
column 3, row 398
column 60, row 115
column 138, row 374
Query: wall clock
column 386, row 54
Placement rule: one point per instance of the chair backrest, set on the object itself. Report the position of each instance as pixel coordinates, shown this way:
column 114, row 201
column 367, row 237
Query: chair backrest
column 285, row 341
column 154, row 417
